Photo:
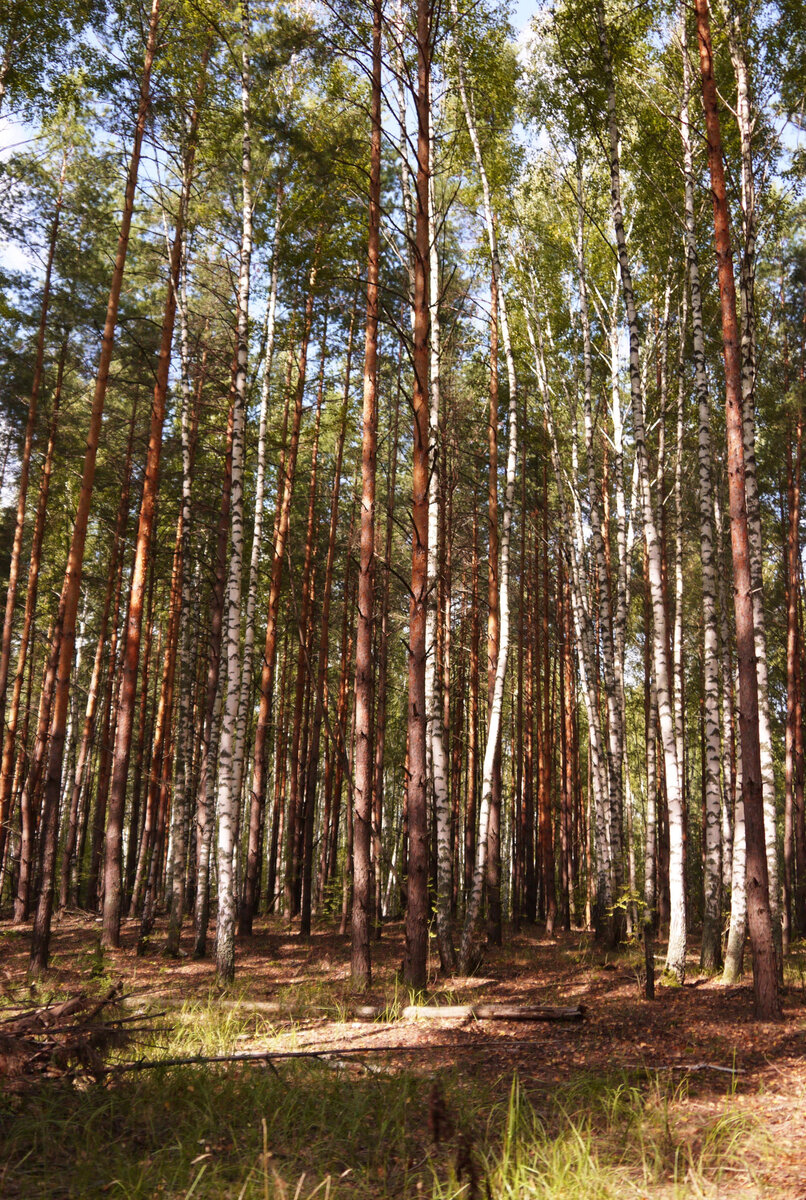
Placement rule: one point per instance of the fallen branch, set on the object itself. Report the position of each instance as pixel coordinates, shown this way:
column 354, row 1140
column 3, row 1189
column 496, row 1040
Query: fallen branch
column 257, row 1056
column 53, row 1038
column 704, row 1066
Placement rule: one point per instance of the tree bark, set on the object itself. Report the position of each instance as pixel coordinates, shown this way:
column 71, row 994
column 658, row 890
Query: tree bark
column 435, row 727
column 68, row 601
column 298, row 813
column 282, row 521
column 205, row 810
column 360, row 960
column 765, row 976
column 711, row 953
column 228, row 798
column 25, row 460
column 324, row 634
column 113, row 577
column 747, row 277
column 676, row 952
column 13, row 714
column 414, row 964
column 492, row 752
column 127, row 695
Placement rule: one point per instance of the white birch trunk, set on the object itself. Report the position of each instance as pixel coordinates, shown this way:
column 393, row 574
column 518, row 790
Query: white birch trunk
column 711, row 955
column 615, row 713
column 676, row 955
column 738, row 898
column 228, row 799
column 182, row 765
column 677, row 633
column 257, row 528
column 435, row 737
column 494, row 723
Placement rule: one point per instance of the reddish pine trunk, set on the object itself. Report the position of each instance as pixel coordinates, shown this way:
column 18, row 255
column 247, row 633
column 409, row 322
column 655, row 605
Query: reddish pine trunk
column 360, row 965
column 12, row 721
column 161, row 744
column 140, row 758
column 567, row 791
column 518, row 813
column 457, row 748
column 93, row 895
column 324, row 635
column 296, row 797
column 765, row 974
column 383, row 654
column 545, row 818
column 529, row 875
column 279, row 783
column 68, row 602
column 127, row 697
column 793, row 472
column 162, row 761
column 25, row 461
column 113, row 576
column 340, row 738
column 33, row 778
column 414, row 966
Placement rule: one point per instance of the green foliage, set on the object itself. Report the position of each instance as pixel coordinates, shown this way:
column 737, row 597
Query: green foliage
column 305, row 1130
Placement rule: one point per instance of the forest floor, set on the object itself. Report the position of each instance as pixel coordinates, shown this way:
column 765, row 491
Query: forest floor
column 683, row 1096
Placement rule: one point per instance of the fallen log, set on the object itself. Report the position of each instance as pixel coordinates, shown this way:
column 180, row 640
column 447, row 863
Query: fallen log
column 492, row 1012
column 413, row 1012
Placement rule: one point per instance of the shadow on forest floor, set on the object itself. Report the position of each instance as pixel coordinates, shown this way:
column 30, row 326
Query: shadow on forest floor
column 629, row 1102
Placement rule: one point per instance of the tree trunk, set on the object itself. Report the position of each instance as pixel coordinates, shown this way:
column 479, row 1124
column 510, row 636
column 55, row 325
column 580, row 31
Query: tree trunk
column 297, row 810
column 228, row 798
column 613, row 695
column 257, row 532
column 747, row 275
column 162, row 761
column 282, row 522
column 793, row 816
column 493, row 848
column 676, row 953
column 765, row 976
column 496, row 706
column 383, row 650
column 324, row 633
column 68, row 601
column 113, row 576
column 471, row 805
column 13, row 714
column 435, row 728
column 188, row 687
column 127, row 696
column 360, row 963
column 585, row 644
column 414, row 964
column 25, row 460
column 205, row 811
column 711, row 955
